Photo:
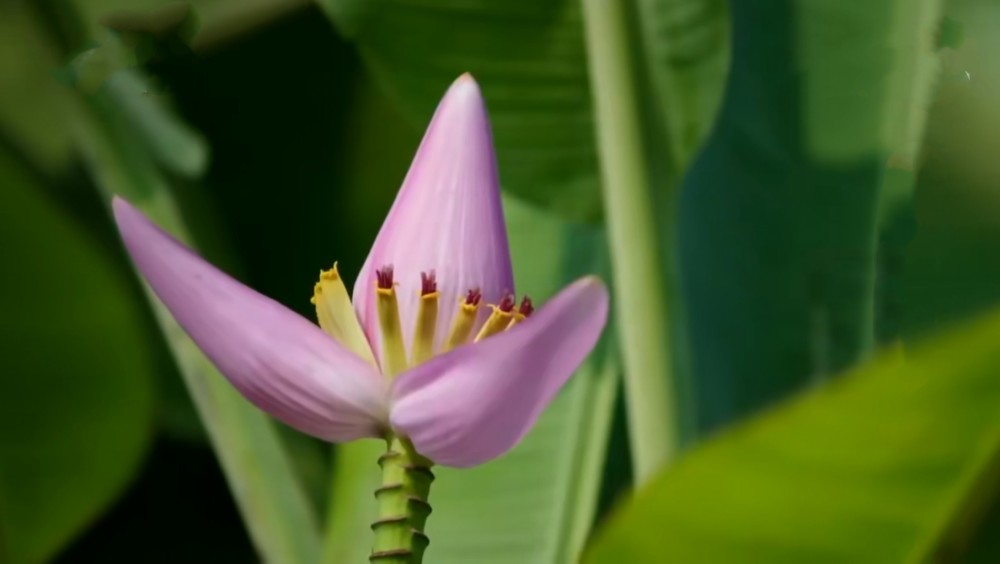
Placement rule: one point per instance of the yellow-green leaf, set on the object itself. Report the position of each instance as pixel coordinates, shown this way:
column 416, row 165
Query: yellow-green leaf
column 888, row 464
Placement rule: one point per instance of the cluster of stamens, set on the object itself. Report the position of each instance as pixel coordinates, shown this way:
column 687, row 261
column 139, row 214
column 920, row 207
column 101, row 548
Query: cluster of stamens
column 394, row 357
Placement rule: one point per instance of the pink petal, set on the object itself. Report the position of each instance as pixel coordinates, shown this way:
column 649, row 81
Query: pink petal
column 475, row 403
column 447, row 218
column 279, row 361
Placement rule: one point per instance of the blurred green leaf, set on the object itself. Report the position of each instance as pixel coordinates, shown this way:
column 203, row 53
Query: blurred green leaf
column 176, row 146
column 687, row 50
column 148, row 32
column 778, row 215
column 529, row 59
column 32, row 103
column 76, row 390
column 110, row 74
column 984, row 546
column 949, row 270
column 951, row 34
column 891, row 464
column 897, row 221
column 220, row 19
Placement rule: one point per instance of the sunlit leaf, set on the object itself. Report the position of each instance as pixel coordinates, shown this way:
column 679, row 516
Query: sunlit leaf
column 888, row 464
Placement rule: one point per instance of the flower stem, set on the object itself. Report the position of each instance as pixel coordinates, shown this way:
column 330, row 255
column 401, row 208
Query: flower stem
column 402, row 505
column 640, row 291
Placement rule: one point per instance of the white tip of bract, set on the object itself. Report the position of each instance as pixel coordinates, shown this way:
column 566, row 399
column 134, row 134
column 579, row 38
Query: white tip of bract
column 467, row 83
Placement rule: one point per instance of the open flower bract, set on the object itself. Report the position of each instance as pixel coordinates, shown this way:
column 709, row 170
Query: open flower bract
column 433, row 347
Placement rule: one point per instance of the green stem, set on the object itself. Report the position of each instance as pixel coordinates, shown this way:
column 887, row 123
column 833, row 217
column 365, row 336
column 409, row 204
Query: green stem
column 402, row 505
column 640, row 291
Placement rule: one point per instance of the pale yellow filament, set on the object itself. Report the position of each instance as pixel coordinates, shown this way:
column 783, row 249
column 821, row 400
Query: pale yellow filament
column 336, row 315
column 514, row 320
column 497, row 322
column 423, row 337
column 393, row 349
column 462, row 326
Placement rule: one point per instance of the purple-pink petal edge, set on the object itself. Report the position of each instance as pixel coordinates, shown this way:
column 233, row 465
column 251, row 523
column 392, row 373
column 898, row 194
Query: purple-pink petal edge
column 278, row 360
column 477, row 402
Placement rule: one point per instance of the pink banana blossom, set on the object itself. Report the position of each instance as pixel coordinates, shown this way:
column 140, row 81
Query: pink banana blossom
column 433, row 348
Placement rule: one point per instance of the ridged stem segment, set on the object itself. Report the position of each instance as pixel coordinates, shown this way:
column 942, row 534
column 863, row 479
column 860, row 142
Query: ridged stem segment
column 402, row 505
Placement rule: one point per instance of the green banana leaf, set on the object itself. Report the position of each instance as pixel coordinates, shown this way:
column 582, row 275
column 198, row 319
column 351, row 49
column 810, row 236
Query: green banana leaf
column 686, row 47
column 779, row 213
column 893, row 463
column 529, row 58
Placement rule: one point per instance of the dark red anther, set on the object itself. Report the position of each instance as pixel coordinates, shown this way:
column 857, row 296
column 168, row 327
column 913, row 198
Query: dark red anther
column 527, row 308
column 428, row 283
column 507, row 303
column 473, row 297
column 383, row 277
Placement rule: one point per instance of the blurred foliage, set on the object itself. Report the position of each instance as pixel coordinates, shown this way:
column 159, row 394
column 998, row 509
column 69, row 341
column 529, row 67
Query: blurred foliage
column 528, row 57
column 892, row 464
column 686, row 46
column 793, row 172
column 311, row 127
column 75, row 421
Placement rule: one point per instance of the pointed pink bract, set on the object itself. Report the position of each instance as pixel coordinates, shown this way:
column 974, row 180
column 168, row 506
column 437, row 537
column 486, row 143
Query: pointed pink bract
column 447, row 218
column 477, row 402
column 281, row 362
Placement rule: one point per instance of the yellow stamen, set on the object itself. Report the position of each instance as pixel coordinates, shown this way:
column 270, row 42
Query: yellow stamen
column 336, row 315
column 423, row 338
column 514, row 320
column 393, row 350
column 462, row 326
column 497, row 322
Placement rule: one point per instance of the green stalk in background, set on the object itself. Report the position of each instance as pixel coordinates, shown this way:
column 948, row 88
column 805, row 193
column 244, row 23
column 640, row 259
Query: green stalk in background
column 640, row 289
